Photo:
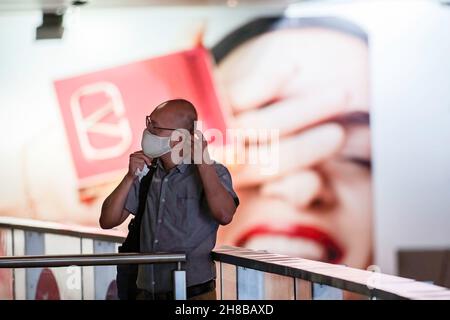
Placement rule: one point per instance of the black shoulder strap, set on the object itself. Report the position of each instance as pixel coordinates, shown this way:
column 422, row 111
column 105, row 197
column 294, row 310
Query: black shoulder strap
column 134, row 229
column 132, row 242
column 143, row 191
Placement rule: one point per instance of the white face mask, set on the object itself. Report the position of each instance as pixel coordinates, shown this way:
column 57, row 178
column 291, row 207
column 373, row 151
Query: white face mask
column 155, row 146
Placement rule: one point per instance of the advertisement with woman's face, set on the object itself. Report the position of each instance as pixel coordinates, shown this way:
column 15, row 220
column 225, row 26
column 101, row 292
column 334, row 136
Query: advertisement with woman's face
column 304, row 78
column 308, row 78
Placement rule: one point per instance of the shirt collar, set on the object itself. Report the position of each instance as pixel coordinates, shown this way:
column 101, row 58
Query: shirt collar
column 180, row 168
column 183, row 165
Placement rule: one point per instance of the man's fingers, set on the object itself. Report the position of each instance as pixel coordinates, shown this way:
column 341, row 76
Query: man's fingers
column 293, row 114
column 143, row 157
column 299, row 151
column 138, row 160
column 137, row 163
column 148, row 160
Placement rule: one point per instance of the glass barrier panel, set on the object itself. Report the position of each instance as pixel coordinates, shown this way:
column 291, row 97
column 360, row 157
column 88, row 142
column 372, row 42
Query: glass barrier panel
column 228, row 272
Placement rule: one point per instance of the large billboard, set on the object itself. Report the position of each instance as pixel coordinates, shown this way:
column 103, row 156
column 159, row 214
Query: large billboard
column 303, row 79
column 306, row 78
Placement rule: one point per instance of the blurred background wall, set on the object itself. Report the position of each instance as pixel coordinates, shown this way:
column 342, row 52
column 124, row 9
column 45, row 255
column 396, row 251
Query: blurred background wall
column 410, row 121
column 408, row 79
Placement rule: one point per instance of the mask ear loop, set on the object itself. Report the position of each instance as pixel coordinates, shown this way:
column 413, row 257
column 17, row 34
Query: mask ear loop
column 183, row 133
column 185, row 136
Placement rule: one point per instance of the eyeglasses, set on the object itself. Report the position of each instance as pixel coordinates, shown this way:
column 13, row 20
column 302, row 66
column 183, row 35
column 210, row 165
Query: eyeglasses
column 149, row 125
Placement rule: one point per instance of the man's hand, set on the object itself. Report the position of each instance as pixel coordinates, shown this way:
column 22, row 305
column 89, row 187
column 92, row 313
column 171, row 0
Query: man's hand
column 199, row 149
column 137, row 161
column 113, row 208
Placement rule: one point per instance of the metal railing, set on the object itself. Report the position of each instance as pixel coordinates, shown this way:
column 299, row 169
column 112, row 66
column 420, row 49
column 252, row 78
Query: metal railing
column 179, row 283
column 241, row 273
column 302, row 279
column 31, row 225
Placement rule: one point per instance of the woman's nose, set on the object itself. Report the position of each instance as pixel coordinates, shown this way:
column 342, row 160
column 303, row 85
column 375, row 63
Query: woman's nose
column 306, row 189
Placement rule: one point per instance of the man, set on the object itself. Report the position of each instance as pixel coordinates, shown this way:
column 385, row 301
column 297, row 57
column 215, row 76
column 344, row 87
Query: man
column 185, row 204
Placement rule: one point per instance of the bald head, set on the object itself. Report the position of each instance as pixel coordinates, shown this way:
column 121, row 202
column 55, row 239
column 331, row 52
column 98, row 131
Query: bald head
column 176, row 113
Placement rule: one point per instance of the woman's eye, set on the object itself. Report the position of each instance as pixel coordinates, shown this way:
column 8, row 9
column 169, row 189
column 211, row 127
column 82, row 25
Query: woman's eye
column 365, row 163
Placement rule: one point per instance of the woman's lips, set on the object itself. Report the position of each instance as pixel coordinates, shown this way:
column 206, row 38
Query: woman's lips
column 297, row 240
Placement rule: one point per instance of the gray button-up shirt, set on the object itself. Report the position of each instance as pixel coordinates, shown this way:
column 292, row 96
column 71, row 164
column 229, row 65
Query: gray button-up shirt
column 177, row 219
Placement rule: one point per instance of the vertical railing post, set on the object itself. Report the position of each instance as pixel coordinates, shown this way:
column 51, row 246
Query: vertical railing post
column 179, row 283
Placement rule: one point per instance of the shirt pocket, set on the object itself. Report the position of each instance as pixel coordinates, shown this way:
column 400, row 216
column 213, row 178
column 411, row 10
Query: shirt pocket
column 188, row 206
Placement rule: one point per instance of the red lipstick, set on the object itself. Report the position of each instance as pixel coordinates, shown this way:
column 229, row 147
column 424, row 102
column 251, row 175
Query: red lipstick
column 334, row 252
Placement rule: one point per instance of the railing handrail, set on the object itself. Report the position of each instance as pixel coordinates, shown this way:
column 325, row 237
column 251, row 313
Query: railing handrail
column 360, row 281
column 61, row 229
column 90, row 260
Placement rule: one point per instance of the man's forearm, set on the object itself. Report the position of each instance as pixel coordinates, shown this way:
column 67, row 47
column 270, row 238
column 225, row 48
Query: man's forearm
column 114, row 204
column 219, row 199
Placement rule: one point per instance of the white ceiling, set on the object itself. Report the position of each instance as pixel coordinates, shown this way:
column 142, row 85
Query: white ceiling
column 19, row 5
